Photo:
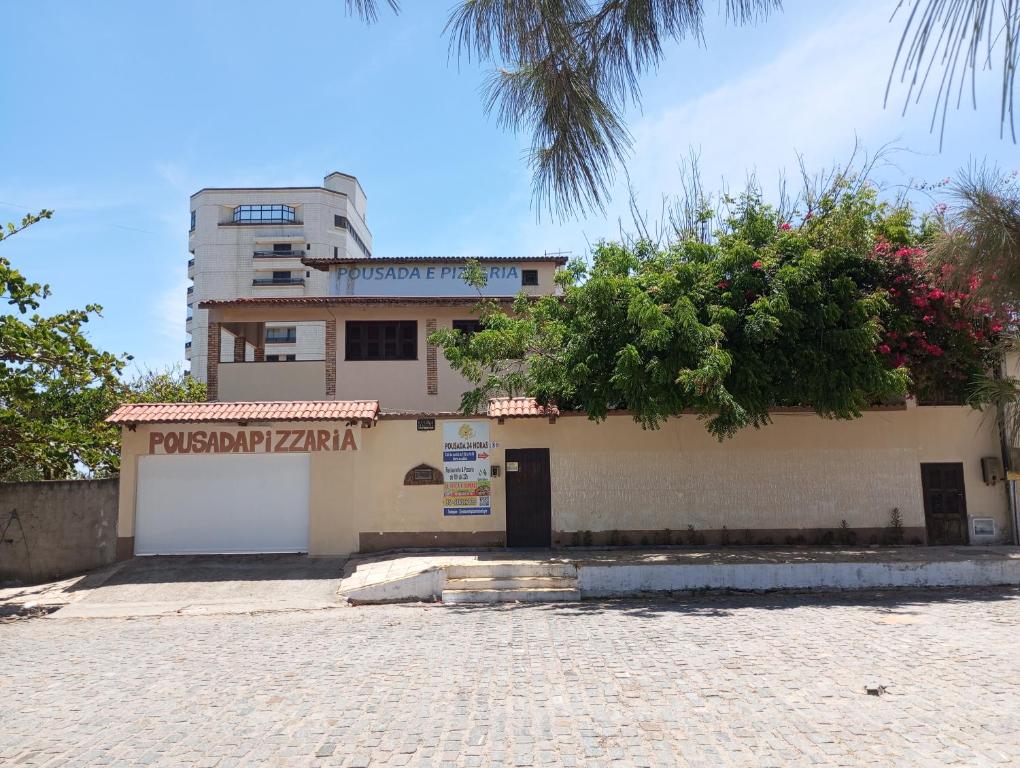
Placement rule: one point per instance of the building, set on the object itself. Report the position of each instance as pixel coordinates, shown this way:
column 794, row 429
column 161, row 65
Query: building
column 249, row 242
column 357, row 447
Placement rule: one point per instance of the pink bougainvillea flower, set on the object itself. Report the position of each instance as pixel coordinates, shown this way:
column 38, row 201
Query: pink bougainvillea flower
column 884, row 349
column 785, row 226
column 757, row 265
column 723, row 284
column 935, row 293
column 920, row 301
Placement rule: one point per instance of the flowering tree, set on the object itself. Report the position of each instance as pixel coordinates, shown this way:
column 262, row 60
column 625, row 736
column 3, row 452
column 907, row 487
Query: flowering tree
column 940, row 334
column 835, row 312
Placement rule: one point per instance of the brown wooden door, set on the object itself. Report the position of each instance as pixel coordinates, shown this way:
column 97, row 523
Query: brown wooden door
column 528, row 498
column 945, row 503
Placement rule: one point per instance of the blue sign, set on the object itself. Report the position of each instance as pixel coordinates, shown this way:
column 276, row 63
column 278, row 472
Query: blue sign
column 460, row 456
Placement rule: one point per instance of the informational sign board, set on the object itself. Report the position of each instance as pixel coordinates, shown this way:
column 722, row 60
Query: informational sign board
column 467, row 484
column 422, row 279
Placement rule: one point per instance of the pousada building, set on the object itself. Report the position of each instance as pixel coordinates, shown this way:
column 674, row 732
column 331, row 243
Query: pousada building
column 353, row 443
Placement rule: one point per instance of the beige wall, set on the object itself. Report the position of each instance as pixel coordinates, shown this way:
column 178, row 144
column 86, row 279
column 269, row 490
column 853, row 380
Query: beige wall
column 399, row 385
column 296, row 380
column 802, row 472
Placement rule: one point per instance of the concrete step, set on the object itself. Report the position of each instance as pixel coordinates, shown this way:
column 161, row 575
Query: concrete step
column 509, row 568
column 513, row 582
column 528, row 595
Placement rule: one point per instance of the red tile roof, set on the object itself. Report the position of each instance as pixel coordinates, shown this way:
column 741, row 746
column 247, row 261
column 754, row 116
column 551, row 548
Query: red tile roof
column 519, row 407
column 290, row 410
column 248, row 301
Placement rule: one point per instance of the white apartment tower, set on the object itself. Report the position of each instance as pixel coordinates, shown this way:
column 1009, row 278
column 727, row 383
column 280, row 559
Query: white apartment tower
column 250, row 242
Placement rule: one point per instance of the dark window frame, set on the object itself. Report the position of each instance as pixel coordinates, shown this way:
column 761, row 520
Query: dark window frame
column 467, row 327
column 529, row 277
column 286, row 335
column 265, row 214
column 380, row 340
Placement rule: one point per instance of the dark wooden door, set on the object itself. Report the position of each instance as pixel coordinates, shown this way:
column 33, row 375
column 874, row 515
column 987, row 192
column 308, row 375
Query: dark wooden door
column 945, row 503
column 528, row 498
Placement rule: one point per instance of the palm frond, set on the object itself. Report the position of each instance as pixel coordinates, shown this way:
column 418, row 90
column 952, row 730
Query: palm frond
column 568, row 69
column 945, row 42
column 368, row 10
column 979, row 236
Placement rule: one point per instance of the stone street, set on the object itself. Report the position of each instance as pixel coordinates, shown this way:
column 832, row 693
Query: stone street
column 757, row 680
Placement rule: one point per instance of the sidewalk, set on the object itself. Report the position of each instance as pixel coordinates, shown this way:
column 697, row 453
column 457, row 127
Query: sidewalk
column 616, row 573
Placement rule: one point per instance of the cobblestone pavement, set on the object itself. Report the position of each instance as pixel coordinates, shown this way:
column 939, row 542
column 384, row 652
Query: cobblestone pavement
column 709, row 681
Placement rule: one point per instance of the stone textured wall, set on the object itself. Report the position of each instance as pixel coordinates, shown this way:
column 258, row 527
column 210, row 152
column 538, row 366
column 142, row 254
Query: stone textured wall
column 56, row 528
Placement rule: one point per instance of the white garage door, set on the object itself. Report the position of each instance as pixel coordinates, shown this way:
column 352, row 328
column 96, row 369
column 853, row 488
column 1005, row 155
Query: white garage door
column 222, row 504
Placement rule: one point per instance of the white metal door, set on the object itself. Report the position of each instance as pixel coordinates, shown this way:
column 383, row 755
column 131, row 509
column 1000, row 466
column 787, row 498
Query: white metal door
column 221, row 504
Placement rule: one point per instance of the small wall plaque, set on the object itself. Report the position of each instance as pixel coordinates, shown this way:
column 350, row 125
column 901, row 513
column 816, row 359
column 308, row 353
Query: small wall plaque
column 423, row 474
column 426, row 425
column 511, row 466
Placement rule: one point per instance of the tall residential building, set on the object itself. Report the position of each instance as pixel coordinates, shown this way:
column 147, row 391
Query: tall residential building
column 250, row 242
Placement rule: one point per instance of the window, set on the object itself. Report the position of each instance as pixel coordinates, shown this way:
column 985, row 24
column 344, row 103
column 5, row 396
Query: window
column 467, row 327
column 281, row 247
column 381, row 340
column 281, row 276
column 529, row 277
column 192, row 222
column 341, row 222
column 264, row 214
column 281, row 358
column 281, row 335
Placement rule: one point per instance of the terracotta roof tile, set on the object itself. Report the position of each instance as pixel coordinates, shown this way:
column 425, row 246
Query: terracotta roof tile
column 291, row 410
column 519, row 407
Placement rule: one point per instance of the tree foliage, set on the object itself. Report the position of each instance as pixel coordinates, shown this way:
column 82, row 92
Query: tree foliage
column 769, row 314
column 566, row 70
column 56, row 387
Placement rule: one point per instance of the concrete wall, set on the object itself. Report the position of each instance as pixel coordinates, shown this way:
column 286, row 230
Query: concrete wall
column 56, row 528
column 799, row 477
column 296, row 380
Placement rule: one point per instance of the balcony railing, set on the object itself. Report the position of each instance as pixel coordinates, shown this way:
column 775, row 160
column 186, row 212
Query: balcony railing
column 278, row 281
column 278, row 254
column 291, row 339
column 191, row 289
column 191, row 263
column 187, row 345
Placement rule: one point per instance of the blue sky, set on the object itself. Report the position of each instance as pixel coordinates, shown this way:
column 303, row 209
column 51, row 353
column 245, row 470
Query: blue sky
column 117, row 111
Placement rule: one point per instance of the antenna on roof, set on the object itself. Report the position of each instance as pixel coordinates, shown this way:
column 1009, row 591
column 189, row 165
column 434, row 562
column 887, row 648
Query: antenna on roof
column 556, row 253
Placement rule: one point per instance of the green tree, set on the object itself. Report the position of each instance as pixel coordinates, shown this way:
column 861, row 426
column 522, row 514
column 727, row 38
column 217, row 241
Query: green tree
column 568, row 69
column 168, row 385
column 48, row 364
column 977, row 247
column 56, row 388
column 767, row 315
